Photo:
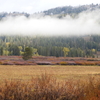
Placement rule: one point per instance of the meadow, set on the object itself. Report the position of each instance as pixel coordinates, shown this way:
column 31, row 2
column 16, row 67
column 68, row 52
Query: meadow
column 49, row 82
column 60, row 72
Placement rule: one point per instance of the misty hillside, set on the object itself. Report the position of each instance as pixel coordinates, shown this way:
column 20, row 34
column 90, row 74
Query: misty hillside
column 52, row 32
column 13, row 14
column 60, row 11
column 68, row 20
column 71, row 9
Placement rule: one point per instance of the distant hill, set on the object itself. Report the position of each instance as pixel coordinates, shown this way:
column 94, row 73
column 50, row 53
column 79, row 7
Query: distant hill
column 57, row 12
column 71, row 9
column 5, row 14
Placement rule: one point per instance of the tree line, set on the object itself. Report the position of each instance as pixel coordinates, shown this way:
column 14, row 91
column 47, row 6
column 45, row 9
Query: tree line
column 79, row 46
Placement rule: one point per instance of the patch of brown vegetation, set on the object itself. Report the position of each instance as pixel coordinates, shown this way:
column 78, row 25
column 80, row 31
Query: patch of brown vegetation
column 41, row 60
column 46, row 87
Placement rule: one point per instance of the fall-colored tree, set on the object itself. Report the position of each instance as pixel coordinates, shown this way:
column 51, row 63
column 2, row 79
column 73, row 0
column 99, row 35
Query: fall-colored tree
column 65, row 50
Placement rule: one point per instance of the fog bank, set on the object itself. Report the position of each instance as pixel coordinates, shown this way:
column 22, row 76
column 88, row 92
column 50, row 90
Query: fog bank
column 83, row 24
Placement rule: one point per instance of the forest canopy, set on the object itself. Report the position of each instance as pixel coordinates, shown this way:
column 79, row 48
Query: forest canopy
column 79, row 46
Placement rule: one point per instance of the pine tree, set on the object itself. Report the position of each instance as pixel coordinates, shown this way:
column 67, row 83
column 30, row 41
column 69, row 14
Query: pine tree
column 28, row 53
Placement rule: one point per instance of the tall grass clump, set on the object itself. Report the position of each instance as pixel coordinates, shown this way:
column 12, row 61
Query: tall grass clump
column 46, row 87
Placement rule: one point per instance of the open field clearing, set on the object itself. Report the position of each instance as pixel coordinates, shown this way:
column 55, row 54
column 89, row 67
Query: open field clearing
column 60, row 72
column 49, row 82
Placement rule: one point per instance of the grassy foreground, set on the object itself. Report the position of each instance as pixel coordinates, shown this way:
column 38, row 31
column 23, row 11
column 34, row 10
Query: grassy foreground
column 58, row 71
column 50, row 82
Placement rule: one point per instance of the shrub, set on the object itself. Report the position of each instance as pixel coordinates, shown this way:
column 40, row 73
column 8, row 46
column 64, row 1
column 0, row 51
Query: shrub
column 1, row 63
column 79, row 62
column 63, row 63
column 89, row 63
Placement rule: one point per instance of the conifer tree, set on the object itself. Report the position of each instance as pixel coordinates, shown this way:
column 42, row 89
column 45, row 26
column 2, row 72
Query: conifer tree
column 28, row 53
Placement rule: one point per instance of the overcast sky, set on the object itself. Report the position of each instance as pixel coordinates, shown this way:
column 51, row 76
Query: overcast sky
column 32, row 6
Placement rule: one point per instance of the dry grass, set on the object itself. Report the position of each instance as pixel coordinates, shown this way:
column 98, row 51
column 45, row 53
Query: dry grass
column 60, row 72
column 25, row 85
column 46, row 87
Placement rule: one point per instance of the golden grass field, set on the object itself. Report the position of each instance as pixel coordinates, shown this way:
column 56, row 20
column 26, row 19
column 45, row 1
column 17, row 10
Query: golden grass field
column 73, row 82
column 60, row 72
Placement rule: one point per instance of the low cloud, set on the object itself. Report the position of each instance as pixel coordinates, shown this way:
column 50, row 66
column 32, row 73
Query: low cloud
column 83, row 24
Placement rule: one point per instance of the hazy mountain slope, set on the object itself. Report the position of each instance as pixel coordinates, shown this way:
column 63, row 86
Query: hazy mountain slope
column 58, row 11
column 71, row 9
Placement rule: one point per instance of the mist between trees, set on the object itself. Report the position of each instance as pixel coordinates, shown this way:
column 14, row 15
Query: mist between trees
column 87, row 46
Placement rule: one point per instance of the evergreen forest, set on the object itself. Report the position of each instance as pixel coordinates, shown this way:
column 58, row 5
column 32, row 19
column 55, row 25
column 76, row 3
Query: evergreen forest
column 79, row 46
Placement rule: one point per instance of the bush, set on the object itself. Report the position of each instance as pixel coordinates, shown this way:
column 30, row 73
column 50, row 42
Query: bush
column 63, row 63
column 89, row 63
column 79, row 63
column 1, row 63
